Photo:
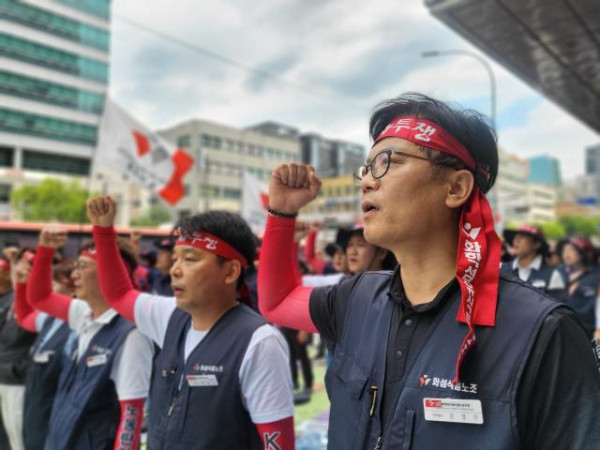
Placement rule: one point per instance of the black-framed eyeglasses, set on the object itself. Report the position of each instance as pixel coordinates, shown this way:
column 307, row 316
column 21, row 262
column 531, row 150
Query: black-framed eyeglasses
column 380, row 164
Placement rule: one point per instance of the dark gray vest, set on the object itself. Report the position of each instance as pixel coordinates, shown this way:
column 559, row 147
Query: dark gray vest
column 41, row 384
column 198, row 404
column 490, row 373
column 583, row 300
column 86, row 409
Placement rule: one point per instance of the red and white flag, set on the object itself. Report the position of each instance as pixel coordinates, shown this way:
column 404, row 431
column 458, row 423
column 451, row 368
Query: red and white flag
column 142, row 155
column 255, row 201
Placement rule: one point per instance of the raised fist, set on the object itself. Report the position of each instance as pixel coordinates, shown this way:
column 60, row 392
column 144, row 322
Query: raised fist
column 22, row 270
column 53, row 236
column 292, row 186
column 101, row 211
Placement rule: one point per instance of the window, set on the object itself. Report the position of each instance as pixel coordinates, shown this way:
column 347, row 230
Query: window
column 184, row 141
column 51, row 93
column 46, row 21
column 100, row 8
column 6, row 157
column 46, row 162
column 230, row 193
column 59, row 60
column 34, row 125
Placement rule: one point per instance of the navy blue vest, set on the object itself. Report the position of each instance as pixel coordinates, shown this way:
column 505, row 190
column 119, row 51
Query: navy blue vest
column 198, row 404
column 41, row 383
column 539, row 279
column 86, row 409
column 490, row 373
column 583, row 300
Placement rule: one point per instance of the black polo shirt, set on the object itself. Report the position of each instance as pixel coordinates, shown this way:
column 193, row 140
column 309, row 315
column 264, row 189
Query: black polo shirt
column 559, row 396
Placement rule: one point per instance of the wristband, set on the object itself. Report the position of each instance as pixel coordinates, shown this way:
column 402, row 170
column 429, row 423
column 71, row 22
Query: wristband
column 274, row 212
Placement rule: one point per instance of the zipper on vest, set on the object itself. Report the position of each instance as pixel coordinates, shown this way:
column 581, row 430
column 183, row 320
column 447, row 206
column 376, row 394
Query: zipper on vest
column 176, row 395
column 373, row 391
column 378, row 443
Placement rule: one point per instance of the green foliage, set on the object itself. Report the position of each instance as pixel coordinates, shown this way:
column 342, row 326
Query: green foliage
column 51, row 200
column 552, row 230
column 580, row 225
column 153, row 216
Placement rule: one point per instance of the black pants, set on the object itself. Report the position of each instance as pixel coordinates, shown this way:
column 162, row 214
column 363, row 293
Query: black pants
column 298, row 352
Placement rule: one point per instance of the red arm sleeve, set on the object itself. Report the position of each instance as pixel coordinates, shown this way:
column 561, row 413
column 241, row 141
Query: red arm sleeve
column 114, row 280
column 277, row 435
column 130, row 425
column 39, row 287
column 281, row 299
column 24, row 313
column 317, row 263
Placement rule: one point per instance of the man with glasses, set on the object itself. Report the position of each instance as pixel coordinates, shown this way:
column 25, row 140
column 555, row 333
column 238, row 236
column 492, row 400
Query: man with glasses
column 444, row 351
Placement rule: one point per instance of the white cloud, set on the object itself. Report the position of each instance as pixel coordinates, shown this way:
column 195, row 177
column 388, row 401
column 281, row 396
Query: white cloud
column 342, row 56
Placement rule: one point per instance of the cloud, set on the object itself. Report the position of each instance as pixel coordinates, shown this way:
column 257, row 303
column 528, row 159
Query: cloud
column 334, row 61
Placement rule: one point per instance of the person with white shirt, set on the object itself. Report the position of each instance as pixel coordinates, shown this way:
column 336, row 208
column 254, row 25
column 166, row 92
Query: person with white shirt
column 529, row 248
column 221, row 379
column 101, row 393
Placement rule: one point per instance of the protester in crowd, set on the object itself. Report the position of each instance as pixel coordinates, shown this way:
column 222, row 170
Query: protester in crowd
column 14, row 357
column 338, row 259
column 583, row 281
column 160, row 279
column 48, row 353
column 553, row 257
column 222, row 377
column 406, row 349
column 101, row 392
column 529, row 247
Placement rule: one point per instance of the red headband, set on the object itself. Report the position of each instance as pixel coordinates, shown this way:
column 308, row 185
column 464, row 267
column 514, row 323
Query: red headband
column 90, row 253
column 212, row 244
column 4, row 265
column 478, row 259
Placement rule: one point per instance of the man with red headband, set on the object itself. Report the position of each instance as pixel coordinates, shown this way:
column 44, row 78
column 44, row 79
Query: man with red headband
column 102, row 389
column 442, row 352
column 221, row 380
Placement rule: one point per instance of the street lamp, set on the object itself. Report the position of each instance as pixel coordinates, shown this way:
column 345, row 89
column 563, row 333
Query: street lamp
column 435, row 53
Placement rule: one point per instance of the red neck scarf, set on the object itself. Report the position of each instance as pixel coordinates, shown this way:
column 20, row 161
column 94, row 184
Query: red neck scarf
column 478, row 256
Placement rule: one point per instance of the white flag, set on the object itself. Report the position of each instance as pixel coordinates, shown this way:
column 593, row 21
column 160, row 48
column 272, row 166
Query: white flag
column 147, row 159
column 255, row 201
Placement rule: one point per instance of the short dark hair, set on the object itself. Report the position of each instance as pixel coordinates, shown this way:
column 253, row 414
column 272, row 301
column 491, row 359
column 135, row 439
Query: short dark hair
column 227, row 226
column 470, row 127
column 125, row 250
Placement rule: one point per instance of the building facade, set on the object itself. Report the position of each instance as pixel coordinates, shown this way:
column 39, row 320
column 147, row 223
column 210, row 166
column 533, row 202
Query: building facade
column 54, row 68
column 329, row 157
column 338, row 203
column 222, row 154
column 544, row 169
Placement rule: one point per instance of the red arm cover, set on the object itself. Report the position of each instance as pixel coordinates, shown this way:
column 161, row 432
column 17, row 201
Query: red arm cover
column 130, row 425
column 39, row 287
column 277, row 435
column 24, row 313
column 317, row 263
column 112, row 274
column 281, row 299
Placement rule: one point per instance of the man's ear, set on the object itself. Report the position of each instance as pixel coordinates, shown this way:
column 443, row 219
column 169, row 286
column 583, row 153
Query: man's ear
column 234, row 270
column 460, row 186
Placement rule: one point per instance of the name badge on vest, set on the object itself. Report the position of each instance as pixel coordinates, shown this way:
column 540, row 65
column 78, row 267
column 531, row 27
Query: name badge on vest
column 96, row 360
column 202, row 380
column 539, row 284
column 453, row 410
column 43, row 357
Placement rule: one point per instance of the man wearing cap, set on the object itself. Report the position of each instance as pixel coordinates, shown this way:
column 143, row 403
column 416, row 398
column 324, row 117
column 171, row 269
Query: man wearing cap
column 221, row 379
column 444, row 352
column 530, row 248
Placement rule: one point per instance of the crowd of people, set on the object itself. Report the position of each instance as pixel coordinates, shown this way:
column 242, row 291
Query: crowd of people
column 433, row 329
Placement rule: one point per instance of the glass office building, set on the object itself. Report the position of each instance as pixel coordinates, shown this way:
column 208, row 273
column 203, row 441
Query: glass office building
column 54, row 68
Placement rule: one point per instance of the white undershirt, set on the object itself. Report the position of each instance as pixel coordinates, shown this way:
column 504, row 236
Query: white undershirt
column 265, row 378
column 132, row 365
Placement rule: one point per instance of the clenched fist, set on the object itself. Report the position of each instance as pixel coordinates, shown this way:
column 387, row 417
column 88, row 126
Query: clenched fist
column 22, row 270
column 101, row 211
column 292, row 186
column 53, row 236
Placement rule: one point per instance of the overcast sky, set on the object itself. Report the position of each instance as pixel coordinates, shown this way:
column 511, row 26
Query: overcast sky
column 335, row 59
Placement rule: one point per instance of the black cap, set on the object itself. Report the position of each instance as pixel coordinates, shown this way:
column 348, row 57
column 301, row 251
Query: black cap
column 164, row 244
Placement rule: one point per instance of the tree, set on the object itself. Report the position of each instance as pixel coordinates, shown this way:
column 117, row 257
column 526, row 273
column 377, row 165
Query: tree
column 153, row 216
column 580, row 225
column 52, row 199
column 552, row 230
